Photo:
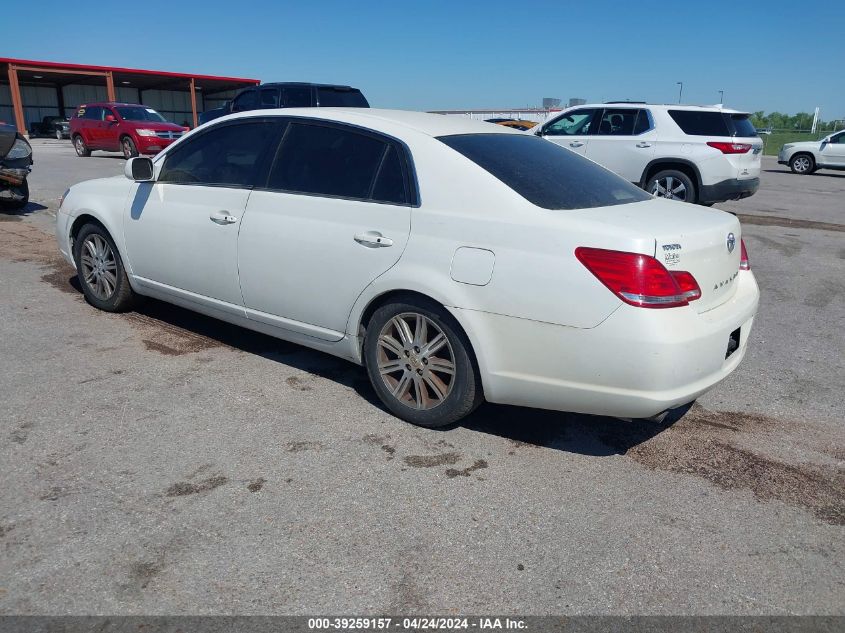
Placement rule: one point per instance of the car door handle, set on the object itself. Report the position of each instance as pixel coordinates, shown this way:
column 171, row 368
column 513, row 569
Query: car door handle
column 576, row 144
column 373, row 239
column 643, row 144
column 222, row 217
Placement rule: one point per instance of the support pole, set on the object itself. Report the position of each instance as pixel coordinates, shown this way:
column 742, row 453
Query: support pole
column 17, row 103
column 110, row 86
column 194, row 102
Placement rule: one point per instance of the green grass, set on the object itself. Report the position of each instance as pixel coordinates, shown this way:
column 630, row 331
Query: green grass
column 774, row 141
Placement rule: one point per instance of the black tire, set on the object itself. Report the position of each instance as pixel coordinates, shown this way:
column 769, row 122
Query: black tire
column 127, row 146
column 122, row 297
column 464, row 392
column 81, row 148
column 669, row 180
column 17, row 205
column 802, row 164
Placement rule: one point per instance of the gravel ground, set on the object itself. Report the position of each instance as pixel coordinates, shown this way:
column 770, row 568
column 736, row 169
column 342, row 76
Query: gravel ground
column 165, row 463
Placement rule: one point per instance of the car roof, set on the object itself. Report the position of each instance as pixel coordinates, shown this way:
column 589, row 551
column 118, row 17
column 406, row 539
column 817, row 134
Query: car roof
column 110, row 103
column 421, row 122
column 274, row 84
column 665, row 106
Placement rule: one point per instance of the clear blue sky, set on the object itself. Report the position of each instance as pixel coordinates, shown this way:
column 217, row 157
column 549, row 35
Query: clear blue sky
column 775, row 55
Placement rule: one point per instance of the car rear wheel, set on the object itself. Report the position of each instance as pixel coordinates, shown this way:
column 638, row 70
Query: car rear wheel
column 59, row 134
column 420, row 363
column 802, row 164
column 80, row 146
column 671, row 184
column 100, row 270
column 127, row 146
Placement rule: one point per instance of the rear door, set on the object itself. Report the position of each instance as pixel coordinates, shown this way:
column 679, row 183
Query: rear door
column 572, row 129
column 624, row 142
column 92, row 126
column 335, row 214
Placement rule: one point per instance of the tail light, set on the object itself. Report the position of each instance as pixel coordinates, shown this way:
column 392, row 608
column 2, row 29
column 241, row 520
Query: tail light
column 730, row 148
column 744, row 264
column 639, row 280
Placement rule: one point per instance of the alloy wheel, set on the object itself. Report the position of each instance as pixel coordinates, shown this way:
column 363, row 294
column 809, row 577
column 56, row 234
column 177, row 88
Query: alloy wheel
column 801, row 164
column 416, row 361
column 669, row 187
column 80, row 145
column 127, row 149
column 99, row 266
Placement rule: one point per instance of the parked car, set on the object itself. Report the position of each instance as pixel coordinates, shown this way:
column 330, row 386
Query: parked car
column 15, row 165
column 690, row 153
column 454, row 259
column 518, row 125
column 289, row 95
column 129, row 128
column 54, row 126
column 807, row 157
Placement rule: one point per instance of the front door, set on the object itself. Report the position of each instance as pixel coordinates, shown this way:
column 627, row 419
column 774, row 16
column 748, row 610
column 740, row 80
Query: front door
column 833, row 152
column 336, row 214
column 110, row 130
column 571, row 130
column 182, row 230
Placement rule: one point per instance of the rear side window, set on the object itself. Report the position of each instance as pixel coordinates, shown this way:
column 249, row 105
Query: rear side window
column 297, row 97
column 341, row 98
column 269, row 98
column 545, row 173
column 697, row 123
column 233, row 155
column 95, row 113
column 643, row 123
column 618, row 122
column 742, row 125
column 333, row 161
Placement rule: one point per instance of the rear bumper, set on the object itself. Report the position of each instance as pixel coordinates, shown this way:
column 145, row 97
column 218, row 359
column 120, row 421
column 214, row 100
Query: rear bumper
column 731, row 189
column 635, row 364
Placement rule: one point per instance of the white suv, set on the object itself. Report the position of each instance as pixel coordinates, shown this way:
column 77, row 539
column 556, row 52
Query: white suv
column 690, row 153
column 808, row 156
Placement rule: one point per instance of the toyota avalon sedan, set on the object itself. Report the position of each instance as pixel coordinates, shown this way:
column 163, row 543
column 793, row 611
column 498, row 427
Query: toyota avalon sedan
column 455, row 260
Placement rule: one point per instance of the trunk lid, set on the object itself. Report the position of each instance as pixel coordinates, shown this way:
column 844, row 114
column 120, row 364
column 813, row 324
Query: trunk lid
column 701, row 241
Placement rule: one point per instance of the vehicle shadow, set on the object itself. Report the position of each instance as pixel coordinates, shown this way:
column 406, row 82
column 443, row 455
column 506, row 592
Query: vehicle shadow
column 595, row 436
column 29, row 209
column 786, row 170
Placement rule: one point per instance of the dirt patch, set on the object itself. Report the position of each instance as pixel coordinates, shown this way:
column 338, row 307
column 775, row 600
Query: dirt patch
column 466, row 472
column 256, row 484
column 381, row 442
column 701, row 444
column 297, row 383
column 430, row 461
column 770, row 220
column 53, row 493
column 184, row 488
column 298, row 447
column 143, row 572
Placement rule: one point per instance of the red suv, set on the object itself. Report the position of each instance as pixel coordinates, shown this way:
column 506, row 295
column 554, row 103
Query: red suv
column 121, row 127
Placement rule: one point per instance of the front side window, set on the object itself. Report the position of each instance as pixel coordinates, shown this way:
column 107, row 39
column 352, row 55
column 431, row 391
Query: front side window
column 335, row 161
column 838, row 139
column 244, row 101
column 234, row 155
column 617, row 122
column 545, row 173
column 139, row 113
column 269, row 98
column 573, row 124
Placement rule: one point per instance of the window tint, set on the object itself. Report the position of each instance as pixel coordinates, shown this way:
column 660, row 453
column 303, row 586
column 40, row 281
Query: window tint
column 742, row 125
column 245, row 101
column 573, row 124
column 297, row 97
column 269, row 98
column 95, row 113
column 617, row 122
column 839, row 139
column 234, row 155
column 544, row 173
column 643, row 123
column 327, row 160
column 698, row 123
column 341, row 97
column 390, row 181
column 137, row 113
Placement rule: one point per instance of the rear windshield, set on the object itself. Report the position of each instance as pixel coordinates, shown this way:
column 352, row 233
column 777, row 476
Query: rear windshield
column 139, row 114
column 341, row 98
column 742, row 125
column 544, row 173
column 698, row 123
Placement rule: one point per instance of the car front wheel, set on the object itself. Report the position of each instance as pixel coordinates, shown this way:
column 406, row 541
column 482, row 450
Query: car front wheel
column 420, row 363
column 802, row 164
column 100, row 270
column 127, row 146
column 671, row 184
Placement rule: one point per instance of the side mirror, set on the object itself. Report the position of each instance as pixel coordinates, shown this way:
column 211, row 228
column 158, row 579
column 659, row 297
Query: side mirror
column 110, row 118
column 139, row 169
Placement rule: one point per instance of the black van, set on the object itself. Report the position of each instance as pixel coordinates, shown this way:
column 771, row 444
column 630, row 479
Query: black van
column 289, row 95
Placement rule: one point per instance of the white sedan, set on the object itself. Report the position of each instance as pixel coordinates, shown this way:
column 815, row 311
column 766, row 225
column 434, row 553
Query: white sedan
column 455, row 260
